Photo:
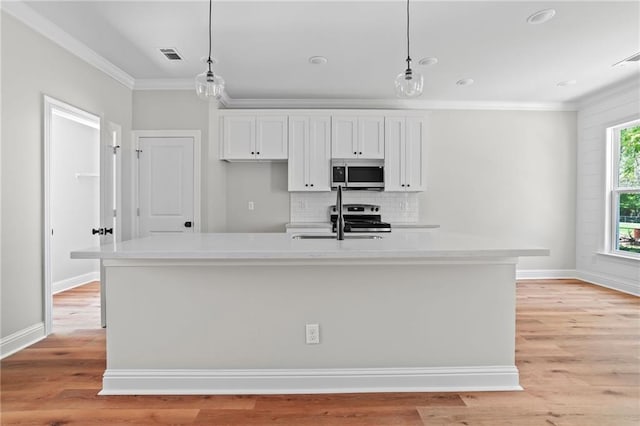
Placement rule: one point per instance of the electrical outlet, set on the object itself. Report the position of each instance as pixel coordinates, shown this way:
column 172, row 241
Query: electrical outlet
column 251, row 205
column 313, row 334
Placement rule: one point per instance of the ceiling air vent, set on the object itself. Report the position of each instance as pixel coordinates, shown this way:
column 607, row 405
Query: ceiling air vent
column 633, row 59
column 171, row 54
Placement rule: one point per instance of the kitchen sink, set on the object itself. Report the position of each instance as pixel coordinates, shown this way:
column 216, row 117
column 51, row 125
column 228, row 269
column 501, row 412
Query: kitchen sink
column 333, row 237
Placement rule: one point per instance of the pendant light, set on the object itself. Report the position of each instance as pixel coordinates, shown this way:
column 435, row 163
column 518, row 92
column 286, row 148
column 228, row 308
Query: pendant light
column 209, row 85
column 409, row 84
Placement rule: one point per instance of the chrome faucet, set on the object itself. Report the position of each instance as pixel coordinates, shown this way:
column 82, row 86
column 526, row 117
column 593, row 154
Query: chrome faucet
column 340, row 220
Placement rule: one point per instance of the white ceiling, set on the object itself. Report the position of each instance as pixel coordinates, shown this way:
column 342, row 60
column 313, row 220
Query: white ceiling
column 262, row 47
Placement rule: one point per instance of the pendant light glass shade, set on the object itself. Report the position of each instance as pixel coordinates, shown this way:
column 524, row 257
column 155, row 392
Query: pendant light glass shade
column 409, row 84
column 209, row 85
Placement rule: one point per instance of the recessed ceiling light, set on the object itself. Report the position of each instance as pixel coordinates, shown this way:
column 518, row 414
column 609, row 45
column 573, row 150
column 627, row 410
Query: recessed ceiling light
column 567, row 83
column 317, row 60
column 465, row 82
column 541, row 16
column 428, row 61
column 204, row 60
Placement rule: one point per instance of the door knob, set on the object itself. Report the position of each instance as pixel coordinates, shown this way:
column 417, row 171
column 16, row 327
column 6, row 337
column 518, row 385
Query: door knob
column 187, row 224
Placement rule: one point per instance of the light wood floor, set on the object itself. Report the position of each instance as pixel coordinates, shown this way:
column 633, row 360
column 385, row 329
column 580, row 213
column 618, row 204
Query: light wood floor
column 578, row 351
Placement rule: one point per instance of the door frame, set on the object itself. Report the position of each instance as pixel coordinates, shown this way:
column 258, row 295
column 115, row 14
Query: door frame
column 135, row 168
column 53, row 106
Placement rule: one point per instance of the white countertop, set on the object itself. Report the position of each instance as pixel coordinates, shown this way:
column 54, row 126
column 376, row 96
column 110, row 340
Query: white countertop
column 323, row 225
column 431, row 245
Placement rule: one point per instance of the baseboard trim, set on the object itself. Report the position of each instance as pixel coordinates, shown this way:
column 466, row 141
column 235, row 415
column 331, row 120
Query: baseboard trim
column 76, row 281
column 544, row 274
column 624, row 286
column 299, row 381
column 21, row 339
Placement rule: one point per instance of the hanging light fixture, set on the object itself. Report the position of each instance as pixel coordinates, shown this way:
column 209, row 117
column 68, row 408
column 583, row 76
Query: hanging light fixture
column 209, row 85
column 409, row 84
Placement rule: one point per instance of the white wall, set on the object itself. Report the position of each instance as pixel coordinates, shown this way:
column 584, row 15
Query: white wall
column 75, row 200
column 263, row 183
column 183, row 110
column 605, row 109
column 508, row 174
column 33, row 66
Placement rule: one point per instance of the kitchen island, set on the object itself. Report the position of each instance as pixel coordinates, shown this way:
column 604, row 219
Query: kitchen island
column 227, row 313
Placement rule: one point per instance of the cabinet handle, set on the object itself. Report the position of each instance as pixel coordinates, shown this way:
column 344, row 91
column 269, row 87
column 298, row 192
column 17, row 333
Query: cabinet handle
column 360, row 153
column 355, row 153
column 311, row 184
column 306, row 184
column 402, row 184
column 258, row 152
column 408, row 185
column 252, row 152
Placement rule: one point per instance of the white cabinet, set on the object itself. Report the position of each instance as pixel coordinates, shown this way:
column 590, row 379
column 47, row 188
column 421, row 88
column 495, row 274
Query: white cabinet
column 253, row 137
column 404, row 154
column 309, row 152
column 357, row 136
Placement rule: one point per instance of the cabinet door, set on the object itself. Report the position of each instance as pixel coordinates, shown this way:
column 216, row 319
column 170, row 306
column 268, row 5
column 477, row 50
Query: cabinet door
column 414, row 155
column 320, row 153
column 298, row 153
column 272, row 137
column 394, row 157
column 238, row 137
column 371, row 137
column 344, row 137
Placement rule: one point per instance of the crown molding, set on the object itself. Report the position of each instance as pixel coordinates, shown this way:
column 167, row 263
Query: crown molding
column 231, row 103
column 399, row 104
column 35, row 21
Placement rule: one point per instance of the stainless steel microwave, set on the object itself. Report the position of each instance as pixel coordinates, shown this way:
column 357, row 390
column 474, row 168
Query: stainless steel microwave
column 358, row 174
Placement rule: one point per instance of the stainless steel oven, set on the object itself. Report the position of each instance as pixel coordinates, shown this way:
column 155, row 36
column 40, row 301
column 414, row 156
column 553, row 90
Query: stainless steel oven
column 358, row 174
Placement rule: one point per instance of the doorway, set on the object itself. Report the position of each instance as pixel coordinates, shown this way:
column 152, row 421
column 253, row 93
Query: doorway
column 81, row 196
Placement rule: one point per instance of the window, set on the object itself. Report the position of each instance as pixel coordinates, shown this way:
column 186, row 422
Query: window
column 624, row 189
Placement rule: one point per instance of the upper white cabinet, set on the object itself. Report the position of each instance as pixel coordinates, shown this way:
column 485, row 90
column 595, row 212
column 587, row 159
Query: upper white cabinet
column 404, row 154
column 357, row 136
column 253, row 137
column 309, row 152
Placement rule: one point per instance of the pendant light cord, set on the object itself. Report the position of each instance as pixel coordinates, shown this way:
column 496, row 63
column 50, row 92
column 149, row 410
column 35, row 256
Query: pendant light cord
column 408, row 55
column 209, row 60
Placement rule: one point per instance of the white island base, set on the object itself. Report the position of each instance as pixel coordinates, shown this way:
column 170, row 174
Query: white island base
column 226, row 314
column 238, row 327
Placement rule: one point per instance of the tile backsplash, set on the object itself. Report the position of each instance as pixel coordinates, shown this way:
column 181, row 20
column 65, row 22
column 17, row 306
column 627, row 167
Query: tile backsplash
column 396, row 207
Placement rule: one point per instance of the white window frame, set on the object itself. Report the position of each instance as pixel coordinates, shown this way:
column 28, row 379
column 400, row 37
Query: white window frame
column 613, row 190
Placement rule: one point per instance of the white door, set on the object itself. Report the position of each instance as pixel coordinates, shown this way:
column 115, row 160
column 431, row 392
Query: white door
column 166, row 185
column 110, row 158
